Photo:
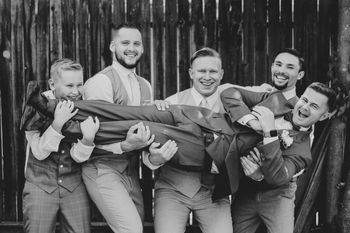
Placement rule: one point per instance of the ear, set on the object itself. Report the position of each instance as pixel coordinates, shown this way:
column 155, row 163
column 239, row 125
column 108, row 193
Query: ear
column 190, row 72
column 327, row 115
column 112, row 47
column 51, row 84
column 301, row 75
column 221, row 73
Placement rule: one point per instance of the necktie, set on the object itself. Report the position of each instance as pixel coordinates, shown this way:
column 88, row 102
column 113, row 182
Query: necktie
column 204, row 104
column 289, row 117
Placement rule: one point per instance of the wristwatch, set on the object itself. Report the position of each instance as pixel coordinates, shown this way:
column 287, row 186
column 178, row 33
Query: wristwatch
column 270, row 134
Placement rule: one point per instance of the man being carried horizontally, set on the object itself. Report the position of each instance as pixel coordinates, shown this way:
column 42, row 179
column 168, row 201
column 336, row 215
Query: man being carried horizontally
column 191, row 126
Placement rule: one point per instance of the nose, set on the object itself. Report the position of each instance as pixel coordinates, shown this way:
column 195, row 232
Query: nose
column 75, row 90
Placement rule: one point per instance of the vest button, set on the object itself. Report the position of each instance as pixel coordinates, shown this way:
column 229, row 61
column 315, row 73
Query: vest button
column 62, row 151
column 61, row 166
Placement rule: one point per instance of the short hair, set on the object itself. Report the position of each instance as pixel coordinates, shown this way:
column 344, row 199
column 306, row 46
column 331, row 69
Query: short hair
column 115, row 28
column 335, row 94
column 295, row 53
column 63, row 64
column 204, row 52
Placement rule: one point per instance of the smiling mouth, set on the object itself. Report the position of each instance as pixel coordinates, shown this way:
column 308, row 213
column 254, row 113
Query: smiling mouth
column 302, row 115
column 130, row 55
column 281, row 77
column 207, row 84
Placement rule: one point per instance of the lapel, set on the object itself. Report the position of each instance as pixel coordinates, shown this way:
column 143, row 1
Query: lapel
column 277, row 103
column 121, row 96
column 207, row 119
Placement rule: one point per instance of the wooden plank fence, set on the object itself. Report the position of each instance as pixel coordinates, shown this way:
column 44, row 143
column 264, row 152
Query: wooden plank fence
column 247, row 33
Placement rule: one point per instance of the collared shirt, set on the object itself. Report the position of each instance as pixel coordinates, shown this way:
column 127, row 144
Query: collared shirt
column 42, row 146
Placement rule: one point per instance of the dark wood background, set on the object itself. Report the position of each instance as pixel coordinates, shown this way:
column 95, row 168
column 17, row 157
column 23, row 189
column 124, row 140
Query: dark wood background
column 246, row 33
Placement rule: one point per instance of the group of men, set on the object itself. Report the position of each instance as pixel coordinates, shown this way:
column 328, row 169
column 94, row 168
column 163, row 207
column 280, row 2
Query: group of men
column 197, row 181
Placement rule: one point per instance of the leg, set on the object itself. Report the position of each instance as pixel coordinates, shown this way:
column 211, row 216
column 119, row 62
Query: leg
column 39, row 209
column 213, row 217
column 75, row 211
column 171, row 211
column 244, row 214
column 108, row 191
column 277, row 209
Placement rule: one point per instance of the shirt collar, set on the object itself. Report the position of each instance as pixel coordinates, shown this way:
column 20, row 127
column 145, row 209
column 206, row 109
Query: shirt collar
column 210, row 99
column 289, row 94
column 49, row 95
column 122, row 70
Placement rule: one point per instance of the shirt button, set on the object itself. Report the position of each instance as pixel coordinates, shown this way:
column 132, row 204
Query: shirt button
column 59, row 181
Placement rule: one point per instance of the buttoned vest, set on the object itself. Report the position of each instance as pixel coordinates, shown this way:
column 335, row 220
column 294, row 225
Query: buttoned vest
column 58, row 169
column 120, row 96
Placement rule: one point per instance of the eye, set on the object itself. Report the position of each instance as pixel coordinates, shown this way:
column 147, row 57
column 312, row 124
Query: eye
column 214, row 71
column 137, row 44
column 125, row 42
column 70, row 85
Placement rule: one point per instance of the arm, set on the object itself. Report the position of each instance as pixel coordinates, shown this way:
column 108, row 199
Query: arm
column 238, row 101
column 42, row 146
column 279, row 166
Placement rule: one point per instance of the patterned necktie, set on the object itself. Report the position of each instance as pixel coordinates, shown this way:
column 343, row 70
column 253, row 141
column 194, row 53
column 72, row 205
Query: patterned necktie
column 204, row 104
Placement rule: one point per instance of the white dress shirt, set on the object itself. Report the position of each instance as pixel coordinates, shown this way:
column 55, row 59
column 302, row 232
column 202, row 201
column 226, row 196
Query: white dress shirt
column 42, row 146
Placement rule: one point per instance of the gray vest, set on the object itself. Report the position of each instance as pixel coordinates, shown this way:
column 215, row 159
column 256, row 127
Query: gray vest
column 58, row 169
column 120, row 96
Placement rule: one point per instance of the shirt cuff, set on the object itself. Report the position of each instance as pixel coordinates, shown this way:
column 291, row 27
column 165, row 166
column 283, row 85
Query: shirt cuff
column 269, row 140
column 81, row 152
column 245, row 119
column 115, row 148
column 147, row 162
column 55, row 138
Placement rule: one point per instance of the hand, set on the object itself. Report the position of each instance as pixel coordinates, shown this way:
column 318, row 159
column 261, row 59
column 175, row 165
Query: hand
column 254, row 124
column 265, row 117
column 163, row 154
column 138, row 136
column 255, row 156
column 89, row 129
column 63, row 112
column 251, row 169
column 161, row 104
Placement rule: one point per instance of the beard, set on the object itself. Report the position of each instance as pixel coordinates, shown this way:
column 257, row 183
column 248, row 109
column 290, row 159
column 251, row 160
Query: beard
column 279, row 87
column 123, row 63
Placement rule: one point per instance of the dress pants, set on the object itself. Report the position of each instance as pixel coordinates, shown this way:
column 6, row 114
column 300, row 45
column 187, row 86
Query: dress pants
column 117, row 195
column 274, row 208
column 172, row 209
column 40, row 210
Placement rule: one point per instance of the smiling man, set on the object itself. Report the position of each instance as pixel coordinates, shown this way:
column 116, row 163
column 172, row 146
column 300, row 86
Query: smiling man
column 112, row 179
column 266, row 195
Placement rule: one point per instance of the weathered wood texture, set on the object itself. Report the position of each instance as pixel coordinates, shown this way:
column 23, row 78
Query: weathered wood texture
column 247, row 34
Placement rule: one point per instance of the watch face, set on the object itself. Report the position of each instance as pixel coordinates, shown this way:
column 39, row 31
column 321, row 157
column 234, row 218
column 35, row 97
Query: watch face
column 273, row 133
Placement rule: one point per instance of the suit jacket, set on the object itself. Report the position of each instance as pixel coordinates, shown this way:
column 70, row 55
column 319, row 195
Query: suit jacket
column 279, row 164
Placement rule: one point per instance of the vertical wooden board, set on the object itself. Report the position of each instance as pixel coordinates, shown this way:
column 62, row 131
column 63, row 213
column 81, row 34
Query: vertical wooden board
column 305, row 15
column 12, row 94
column 230, row 34
column 261, row 62
column 210, row 24
column 1, row 147
column 170, row 48
column 106, row 18
column 274, row 30
column 197, row 25
column 55, row 30
column 248, row 44
column 68, row 10
column 324, row 62
column 286, row 23
column 83, row 36
column 37, row 41
column 184, row 42
column 94, row 8
column 158, row 45
column 118, row 11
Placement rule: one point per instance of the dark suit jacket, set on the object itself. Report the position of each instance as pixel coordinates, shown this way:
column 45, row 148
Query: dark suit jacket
column 279, row 164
